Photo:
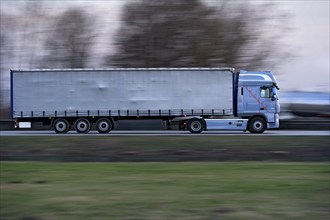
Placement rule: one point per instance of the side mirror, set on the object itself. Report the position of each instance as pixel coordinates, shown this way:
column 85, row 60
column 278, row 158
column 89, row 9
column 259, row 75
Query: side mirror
column 274, row 97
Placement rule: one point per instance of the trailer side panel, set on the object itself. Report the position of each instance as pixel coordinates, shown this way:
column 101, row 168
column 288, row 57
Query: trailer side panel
column 121, row 92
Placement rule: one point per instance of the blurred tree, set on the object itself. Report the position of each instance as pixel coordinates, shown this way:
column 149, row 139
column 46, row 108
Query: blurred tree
column 3, row 39
column 4, row 108
column 189, row 33
column 69, row 43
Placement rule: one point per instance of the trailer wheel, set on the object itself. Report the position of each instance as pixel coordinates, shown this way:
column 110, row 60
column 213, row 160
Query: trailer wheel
column 257, row 125
column 104, row 125
column 195, row 125
column 61, row 126
column 82, row 125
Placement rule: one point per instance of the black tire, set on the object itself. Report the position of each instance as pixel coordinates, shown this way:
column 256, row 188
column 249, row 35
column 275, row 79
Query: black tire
column 61, row 126
column 104, row 125
column 257, row 125
column 195, row 125
column 82, row 125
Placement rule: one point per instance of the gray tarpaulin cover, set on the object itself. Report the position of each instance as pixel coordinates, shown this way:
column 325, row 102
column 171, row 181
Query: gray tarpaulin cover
column 49, row 92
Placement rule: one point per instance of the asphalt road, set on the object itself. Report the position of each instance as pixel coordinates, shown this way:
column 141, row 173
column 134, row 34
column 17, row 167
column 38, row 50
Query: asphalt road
column 168, row 133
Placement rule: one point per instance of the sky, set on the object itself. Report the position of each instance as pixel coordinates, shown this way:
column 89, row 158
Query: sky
column 307, row 67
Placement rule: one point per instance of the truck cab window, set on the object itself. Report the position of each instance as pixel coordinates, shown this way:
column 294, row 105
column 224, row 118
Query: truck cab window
column 265, row 92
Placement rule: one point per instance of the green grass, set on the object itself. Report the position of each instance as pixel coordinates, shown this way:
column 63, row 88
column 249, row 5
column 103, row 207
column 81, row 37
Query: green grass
column 204, row 190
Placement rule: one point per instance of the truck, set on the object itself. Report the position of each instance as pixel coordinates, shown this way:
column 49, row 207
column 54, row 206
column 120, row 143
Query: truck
column 193, row 99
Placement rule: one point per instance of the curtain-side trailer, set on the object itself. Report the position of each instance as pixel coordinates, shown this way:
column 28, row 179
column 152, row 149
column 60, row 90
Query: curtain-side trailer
column 195, row 98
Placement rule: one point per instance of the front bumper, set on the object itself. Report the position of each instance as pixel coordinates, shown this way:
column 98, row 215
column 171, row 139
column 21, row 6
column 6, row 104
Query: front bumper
column 275, row 124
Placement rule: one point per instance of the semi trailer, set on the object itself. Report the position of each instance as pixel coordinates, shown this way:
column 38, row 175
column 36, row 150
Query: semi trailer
column 194, row 99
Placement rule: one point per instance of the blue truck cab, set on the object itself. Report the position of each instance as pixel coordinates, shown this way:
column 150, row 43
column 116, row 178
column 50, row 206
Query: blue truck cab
column 256, row 105
column 257, row 99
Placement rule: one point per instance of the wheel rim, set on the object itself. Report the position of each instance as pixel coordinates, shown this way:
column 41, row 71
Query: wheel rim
column 104, row 126
column 258, row 126
column 82, row 126
column 60, row 126
column 196, row 126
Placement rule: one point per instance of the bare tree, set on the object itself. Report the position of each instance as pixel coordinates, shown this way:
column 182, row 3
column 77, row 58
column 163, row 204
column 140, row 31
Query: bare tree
column 4, row 107
column 69, row 43
column 189, row 33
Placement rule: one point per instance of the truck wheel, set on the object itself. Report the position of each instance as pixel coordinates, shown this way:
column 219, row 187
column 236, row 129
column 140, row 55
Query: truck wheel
column 82, row 125
column 104, row 125
column 61, row 126
column 195, row 125
column 257, row 125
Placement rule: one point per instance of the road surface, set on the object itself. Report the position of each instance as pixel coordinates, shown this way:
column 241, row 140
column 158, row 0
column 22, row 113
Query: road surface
column 168, row 133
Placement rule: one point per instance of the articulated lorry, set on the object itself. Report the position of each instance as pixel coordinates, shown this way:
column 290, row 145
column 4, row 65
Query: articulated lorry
column 194, row 99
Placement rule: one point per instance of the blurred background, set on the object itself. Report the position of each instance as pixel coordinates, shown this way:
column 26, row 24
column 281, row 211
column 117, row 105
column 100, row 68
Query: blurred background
column 290, row 38
column 264, row 177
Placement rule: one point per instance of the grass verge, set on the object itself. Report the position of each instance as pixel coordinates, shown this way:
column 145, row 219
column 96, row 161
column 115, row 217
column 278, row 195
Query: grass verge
column 204, row 190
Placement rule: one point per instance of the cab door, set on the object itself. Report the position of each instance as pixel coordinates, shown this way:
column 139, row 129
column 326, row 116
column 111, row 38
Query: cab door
column 248, row 97
column 256, row 99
